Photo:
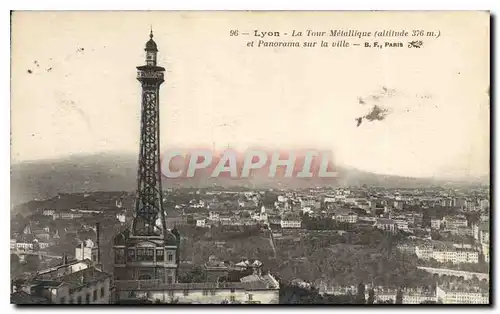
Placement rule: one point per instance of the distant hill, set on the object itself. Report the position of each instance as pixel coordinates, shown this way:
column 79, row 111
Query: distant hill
column 43, row 179
column 113, row 172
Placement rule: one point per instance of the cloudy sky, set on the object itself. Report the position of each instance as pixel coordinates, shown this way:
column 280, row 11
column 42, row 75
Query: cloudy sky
column 74, row 89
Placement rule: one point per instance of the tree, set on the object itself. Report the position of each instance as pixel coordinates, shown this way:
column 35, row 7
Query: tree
column 195, row 275
column 32, row 262
column 14, row 260
column 173, row 301
column 297, row 295
column 132, row 294
column 17, row 284
column 371, row 296
column 399, row 297
column 360, row 298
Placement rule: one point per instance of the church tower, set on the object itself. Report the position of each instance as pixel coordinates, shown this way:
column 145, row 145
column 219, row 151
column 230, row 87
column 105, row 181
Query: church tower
column 148, row 251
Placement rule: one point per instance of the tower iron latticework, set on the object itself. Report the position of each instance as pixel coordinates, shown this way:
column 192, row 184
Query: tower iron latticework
column 148, row 205
column 147, row 250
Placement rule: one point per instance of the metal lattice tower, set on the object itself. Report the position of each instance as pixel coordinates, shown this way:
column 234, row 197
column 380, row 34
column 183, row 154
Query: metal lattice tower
column 148, row 204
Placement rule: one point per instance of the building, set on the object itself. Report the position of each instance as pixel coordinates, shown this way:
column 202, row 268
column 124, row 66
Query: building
column 484, row 236
column 345, row 216
column 146, row 258
column 418, row 218
column 23, row 298
column 329, row 199
column 48, row 212
column 485, row 248
column 254, row 288
column 172, row 222
column 41, row 234
column 383, row 295
column 459, row 202
column 467, row 256
column 424, row 251
column 484, row 204
column 469, row 232
column 291, row 221
column 401, row 224
column 121, row 217
column 90, row 250
column 24, row 246
column 274, row 220
column 447, row 202
column 407, row 248
column 436, row 223
column 337, row 290
column 76, row 282
column 87, row 286
column 214, row 269
column 386, row 225
column 213, row 215
column 258, row 290
column 67, row 215
column 471, row 206
column 201, row 223
column 475, row 231
column 310, row 202
column 455, row 295
column 455, row 222
column 40, row 245
column 485, row 217
column 398, row 205
column 87, row 250
column 65, row 268
column 445, row 254
column 418, row 297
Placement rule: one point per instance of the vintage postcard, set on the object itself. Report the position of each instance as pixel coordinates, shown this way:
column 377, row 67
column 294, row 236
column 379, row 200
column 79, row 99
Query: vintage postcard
column 204, row 157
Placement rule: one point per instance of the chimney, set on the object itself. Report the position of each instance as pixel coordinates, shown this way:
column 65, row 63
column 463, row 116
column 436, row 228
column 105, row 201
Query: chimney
column 97, row 231
column 98, row 236
column 82, row 246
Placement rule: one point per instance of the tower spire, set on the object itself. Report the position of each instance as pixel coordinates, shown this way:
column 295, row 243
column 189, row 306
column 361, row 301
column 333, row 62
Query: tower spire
column 151, row 31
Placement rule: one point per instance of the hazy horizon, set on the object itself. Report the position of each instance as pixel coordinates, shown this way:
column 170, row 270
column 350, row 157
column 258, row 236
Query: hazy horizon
column 134, row 156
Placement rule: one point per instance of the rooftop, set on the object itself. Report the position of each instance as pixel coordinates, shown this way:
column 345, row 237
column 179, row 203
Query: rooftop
column 343, row 211
column 84, row 277
column 158, row 285
column 47, row 284
column 55, row 268
column 21, row 297
column 75, row 280
column 267, row 279
column 385, row 221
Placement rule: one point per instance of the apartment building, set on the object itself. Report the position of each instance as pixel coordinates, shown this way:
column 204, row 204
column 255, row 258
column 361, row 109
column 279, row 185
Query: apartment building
column 452, row 295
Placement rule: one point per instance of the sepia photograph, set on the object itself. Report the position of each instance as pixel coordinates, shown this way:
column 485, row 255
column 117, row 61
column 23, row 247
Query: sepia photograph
column 250, row 157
